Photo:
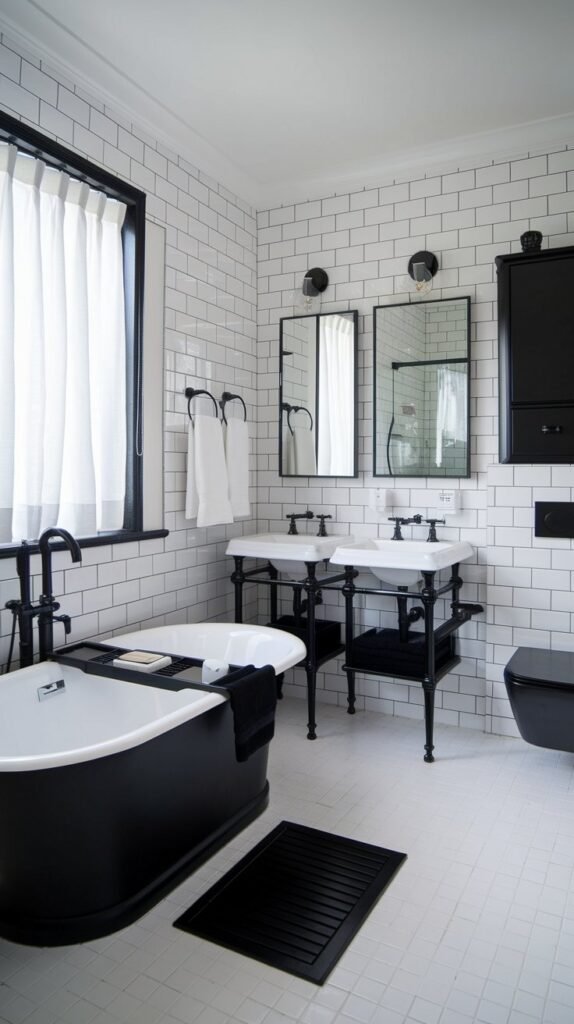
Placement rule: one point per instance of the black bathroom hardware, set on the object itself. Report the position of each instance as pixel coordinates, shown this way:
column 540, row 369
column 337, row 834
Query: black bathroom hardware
column 297, row 515
column 398, row 521
column 228, row 397
column 24, row 611
column 48, row 605
column 553, row 519
column 322, row 531
column 416, row 520
column 191, row 393
column 295, row 408
column 428, row 362
column 432, row 537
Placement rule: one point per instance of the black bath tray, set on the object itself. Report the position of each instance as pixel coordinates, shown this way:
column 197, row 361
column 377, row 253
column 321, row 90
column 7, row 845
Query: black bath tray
column 327, row 634
column 97, row 659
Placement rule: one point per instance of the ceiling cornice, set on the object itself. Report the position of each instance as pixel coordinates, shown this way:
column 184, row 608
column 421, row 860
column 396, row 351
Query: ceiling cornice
column 77, row 61
column 460, row 153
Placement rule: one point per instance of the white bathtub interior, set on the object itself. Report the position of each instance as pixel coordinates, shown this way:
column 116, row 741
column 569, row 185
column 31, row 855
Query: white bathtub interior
column 92, row 717
column 235, row 643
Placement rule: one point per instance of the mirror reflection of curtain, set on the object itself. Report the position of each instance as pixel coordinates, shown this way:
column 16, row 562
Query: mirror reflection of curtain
column 451, row 412
column 335, row 454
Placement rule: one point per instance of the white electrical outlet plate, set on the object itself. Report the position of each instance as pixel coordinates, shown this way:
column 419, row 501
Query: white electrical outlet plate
column 448, row 501
column 378, row 499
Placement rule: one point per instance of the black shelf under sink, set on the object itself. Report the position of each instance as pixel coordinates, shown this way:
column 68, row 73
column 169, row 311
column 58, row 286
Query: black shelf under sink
column 327, row 634
column 381, row 652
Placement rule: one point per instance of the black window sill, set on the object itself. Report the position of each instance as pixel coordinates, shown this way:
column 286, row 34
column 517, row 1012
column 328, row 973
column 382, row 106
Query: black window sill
column 117, row 537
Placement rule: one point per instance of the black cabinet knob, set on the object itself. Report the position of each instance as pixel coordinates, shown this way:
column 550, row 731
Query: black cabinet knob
column 556, row 429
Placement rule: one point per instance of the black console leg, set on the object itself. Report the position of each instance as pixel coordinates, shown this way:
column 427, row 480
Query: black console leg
column 279, row 685
column 429, row 597
column 429, row 722
column 311, row 685
column 238, row 579
column 350, row 691
column 311, row 640
column 349, row 593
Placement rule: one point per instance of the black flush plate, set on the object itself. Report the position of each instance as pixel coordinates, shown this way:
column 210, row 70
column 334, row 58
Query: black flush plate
column 553, row 519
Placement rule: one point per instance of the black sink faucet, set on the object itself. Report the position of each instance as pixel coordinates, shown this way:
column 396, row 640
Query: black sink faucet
column 297, row 515
column 432, row 537
column 398, row 521
column 417, row 520
column 47, row 604
column 322, row 530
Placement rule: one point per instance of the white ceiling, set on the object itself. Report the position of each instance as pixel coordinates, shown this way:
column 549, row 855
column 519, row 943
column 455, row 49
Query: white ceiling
column 283, row 99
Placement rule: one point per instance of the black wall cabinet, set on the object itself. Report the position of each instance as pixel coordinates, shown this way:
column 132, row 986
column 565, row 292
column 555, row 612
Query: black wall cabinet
column 536, row 356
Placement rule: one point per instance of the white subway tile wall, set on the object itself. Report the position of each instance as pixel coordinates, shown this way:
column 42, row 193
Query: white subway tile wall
column 363, row 239
column 209, row 342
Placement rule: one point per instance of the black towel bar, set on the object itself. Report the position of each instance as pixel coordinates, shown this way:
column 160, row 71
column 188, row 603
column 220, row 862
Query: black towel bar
column 228, row 397
column 194, row 393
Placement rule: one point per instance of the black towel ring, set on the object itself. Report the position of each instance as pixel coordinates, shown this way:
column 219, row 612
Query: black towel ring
column 194, row 393
column 228, row 397
column 295, row 408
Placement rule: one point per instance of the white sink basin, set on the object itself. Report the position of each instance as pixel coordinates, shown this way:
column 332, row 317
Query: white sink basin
column 401, row 562
column 287, row 552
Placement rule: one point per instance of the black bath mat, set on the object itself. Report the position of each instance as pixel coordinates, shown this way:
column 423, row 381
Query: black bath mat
column 296, row 900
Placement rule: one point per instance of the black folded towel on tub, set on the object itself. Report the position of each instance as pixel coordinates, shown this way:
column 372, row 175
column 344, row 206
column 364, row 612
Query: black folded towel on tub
column 253, row 697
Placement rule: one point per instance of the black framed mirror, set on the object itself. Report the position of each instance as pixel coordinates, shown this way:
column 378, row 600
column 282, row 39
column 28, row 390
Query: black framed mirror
column 421, row 375
column 318, row 394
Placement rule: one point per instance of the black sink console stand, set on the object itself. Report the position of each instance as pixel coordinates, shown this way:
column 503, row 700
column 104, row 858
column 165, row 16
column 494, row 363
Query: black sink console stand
column 385, row 662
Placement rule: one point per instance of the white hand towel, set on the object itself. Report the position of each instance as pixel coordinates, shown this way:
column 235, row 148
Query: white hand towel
column 191, row 498
column 237, row 458
column 211, row 473
column 304, row 448
column 287, row 462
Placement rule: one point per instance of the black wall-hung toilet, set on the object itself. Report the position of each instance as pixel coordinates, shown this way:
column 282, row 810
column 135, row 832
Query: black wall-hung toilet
column 540, row 687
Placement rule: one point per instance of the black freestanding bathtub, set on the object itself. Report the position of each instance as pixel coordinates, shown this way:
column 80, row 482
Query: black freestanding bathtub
column 111, row 792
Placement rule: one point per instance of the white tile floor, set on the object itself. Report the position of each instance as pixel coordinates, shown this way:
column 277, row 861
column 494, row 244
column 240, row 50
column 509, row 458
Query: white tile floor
column 477, row 926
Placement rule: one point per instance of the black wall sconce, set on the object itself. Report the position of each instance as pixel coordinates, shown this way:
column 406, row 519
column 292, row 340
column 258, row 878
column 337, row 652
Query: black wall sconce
column 422, row 268
column 306, row 298
column 315, row 281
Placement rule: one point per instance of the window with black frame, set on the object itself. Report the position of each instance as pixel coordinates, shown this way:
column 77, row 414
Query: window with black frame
column 71, row 291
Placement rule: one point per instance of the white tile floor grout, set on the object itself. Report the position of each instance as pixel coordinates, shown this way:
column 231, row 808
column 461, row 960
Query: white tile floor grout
column 478, row 926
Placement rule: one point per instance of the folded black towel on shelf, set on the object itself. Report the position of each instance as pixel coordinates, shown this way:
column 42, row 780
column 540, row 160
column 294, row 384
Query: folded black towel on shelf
column 253, row 697
column 381, row 650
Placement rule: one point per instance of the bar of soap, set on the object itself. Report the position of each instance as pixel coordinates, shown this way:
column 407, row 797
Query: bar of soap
column 142, row 661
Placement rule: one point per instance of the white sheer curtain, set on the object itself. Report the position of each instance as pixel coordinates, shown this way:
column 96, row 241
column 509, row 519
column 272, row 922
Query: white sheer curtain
column 62, row 353
column 451, row 411
column 335, row 455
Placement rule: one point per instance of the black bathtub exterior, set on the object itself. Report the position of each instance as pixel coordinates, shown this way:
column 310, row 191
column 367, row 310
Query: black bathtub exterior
column 87, row 848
